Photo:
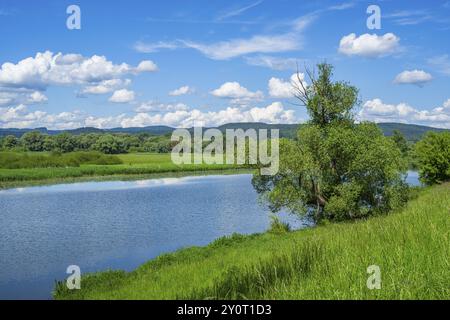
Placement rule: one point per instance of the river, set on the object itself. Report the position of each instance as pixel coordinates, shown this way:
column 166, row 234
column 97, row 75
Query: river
column 118, row 225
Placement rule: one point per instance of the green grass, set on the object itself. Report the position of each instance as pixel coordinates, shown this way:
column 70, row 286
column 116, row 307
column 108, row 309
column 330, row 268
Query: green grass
column 137, row 166
column 326, row 262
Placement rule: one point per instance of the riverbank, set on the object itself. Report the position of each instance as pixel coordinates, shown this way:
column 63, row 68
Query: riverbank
column 325, row 262
column 134, row 167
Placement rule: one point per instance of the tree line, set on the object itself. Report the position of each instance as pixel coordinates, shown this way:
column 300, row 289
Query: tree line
column 36, row 141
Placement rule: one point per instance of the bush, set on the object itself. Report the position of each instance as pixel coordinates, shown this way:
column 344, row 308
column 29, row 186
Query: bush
column 433, row 157
column 277, row 226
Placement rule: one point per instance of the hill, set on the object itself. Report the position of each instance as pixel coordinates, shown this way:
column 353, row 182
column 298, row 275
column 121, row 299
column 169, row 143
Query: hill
column 411, row 132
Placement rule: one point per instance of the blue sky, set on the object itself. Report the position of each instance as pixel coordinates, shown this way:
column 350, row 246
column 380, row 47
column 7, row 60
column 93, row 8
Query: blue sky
column 185, row 63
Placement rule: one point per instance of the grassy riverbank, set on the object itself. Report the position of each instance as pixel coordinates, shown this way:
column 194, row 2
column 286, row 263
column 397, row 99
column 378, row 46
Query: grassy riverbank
column 132, row 166
column 411, row 247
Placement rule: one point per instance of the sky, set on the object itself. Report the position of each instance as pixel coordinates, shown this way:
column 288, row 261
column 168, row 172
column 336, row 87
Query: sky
column 191, row 63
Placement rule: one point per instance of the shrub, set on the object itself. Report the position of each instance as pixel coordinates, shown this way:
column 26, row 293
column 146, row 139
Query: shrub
column 433, row 157
column 277, row 226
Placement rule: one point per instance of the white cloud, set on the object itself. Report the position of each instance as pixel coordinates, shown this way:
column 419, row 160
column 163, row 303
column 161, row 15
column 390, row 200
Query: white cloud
column 37, row 97
column 122, row 96
column 181, row 91
column 10, row 96
column 272, row 62
column 418, row 77
column 58, row 69
column 225, row 50
column 146, row 66
column 237, row 93
column 378, row 111
column 289, row 40
column 154, row 47
column 238, row 11
column 369, row 45
column 152, row 106
column 105, row 86
column 409, row 17
column 20, row 117
column 278, row 88
column 441, row 63
column 273, row 113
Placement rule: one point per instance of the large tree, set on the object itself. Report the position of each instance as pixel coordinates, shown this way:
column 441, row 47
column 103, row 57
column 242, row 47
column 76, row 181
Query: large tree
column 33, row 141
column 336, row 169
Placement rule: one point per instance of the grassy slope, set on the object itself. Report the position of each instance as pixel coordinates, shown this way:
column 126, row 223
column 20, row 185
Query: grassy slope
column 134, row 166
column 327, row 262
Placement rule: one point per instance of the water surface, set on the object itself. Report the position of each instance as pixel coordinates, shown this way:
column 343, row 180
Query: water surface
column 118, row 225
column 115, row 225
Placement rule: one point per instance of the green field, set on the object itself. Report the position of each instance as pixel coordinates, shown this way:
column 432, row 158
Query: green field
column 133, row 166
column 411, row 247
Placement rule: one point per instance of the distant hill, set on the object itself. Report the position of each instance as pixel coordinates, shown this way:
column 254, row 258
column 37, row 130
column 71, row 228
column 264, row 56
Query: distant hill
column 411, row 132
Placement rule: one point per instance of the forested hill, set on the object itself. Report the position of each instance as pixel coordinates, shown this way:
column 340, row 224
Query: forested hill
column 412, row 132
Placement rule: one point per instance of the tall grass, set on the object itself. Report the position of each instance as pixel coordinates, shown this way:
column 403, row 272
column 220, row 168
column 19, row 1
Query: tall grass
column 26, row 168
column 16, row 160
column 411, row 248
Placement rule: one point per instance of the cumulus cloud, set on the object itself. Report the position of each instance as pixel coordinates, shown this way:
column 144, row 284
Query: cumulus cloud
column 369, row 45
column 278, row 88
column 418, row 77
column 378, row 111
column 10, row 97
column 122, row 96
column 173, row 115
column 105, row 86
column 146, row 66
column 20, row 117
column 153, row 106
column 237, row 93
column 37, row 97
column 273, row 113
column 181, row 91
column 65, row 69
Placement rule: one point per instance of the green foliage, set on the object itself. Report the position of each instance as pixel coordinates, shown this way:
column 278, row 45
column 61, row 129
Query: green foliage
column 64, row 142
column 10, row 142
column 33, row 141
column 277, row 226
column 336, row 169
column 400, row 141
column 329, row 102
column 110, row 144
column 14, row 160
column 433, row 157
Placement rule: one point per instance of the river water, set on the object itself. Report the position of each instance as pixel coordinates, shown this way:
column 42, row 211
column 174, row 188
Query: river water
column 118, row 225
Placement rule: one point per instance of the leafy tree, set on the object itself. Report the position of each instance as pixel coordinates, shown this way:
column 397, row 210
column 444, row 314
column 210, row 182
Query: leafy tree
column 10, row 142
column 110, row 144
column 49, row 143
column 400, row 140
column 336, row 169
column 65, row 142
column 33, row 141
column 87, row 141
column 433, row 157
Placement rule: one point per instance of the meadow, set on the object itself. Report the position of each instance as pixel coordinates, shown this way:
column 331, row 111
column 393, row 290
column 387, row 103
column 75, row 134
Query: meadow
column 330, row 261
column 23, row 169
